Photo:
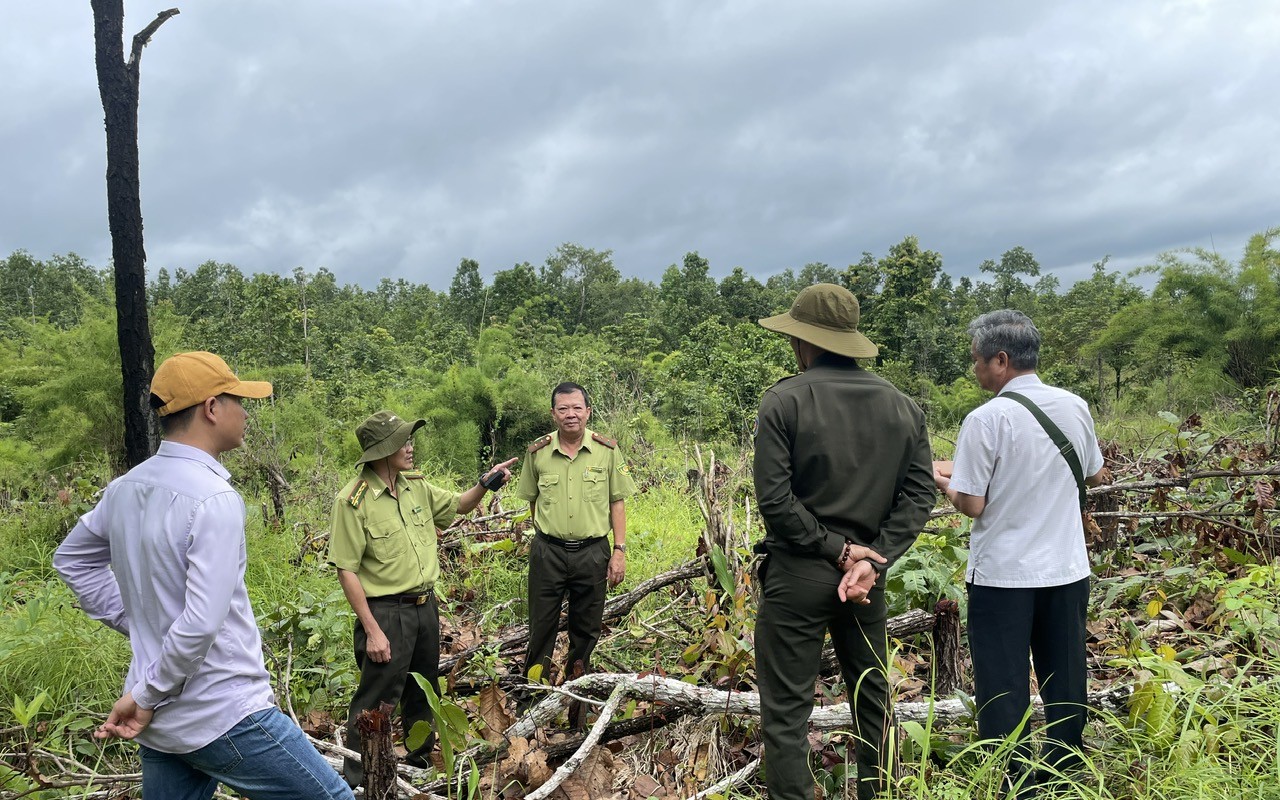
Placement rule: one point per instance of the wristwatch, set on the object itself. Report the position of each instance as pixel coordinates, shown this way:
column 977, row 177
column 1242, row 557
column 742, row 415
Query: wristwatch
column 494, row 481
column 621, row 548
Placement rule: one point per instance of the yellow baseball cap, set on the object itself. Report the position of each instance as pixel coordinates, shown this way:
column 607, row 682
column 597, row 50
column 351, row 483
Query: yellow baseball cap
column 187, row 379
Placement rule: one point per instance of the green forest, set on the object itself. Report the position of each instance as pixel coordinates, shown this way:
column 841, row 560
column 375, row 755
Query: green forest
column 1179, row 361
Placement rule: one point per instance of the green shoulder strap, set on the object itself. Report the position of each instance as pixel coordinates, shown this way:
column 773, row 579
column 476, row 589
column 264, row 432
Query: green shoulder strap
column 1065, row 447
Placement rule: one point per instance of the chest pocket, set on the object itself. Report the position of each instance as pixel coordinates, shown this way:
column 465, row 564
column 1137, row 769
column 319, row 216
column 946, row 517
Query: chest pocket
column 548, row 489
column 595, row 485
column 387, row 539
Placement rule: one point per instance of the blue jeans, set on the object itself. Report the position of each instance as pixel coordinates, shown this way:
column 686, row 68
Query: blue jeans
column 264, row 757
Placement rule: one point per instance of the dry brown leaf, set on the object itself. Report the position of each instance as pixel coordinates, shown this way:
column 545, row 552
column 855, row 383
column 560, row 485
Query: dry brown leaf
column 647, row 786
column 700, row 758
column 493, row 710
column 571, row 789
column 592, row 779
column 536, row 770
column 517, row 750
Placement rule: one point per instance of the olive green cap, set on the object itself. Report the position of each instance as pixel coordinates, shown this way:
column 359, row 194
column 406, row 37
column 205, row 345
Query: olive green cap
column 825, row 315
column 384, row 433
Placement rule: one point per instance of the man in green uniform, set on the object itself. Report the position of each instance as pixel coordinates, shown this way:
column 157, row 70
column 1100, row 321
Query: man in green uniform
column 844, row 483
column 383, row 543
column 576, row 483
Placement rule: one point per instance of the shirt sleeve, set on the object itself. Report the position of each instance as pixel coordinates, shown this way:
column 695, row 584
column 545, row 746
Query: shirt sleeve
column 912, row 505
column 443, row 505
column 621, row 485
column 784, row 515
column 527, row 486
column 346, row 536
column 212, row 577
column 975, row 459
column 1092, row 455
column 84, row 562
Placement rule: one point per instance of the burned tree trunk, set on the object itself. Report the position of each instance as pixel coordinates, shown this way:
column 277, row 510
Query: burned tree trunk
column 948, row 672
column 118, row 87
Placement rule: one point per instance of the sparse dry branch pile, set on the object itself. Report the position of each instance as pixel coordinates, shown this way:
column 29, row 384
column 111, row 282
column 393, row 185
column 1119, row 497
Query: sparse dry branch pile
column 690, row 734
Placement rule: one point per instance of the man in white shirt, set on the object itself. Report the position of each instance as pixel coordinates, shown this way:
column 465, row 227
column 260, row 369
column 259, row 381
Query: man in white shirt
column 161, row 560
column 1028, row 573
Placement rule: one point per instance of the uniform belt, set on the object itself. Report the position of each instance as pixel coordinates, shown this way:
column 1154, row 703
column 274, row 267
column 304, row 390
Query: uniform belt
column 571, row 545
column 406, row 599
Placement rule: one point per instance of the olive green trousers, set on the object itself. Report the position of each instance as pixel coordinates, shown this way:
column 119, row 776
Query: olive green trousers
column 795, row 614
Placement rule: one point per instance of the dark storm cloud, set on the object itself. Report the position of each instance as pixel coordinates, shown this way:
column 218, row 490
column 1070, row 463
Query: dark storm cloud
column 392, row 139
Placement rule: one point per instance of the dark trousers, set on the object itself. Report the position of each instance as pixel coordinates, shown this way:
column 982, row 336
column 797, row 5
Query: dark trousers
column 1004, row 624
column 555, row 574
column 795, row 614
column 414, row 633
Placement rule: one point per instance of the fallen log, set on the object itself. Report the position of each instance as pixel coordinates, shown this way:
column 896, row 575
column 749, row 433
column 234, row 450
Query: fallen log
column 679, row 698
column 704, row 699
column 516, row 637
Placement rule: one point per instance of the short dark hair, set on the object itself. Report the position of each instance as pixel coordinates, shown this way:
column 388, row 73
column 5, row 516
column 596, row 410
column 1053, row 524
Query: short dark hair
column 1010, row 331
column 568, row 387
column 178, row 421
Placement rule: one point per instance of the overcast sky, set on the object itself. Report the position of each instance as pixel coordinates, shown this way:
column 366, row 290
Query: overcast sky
column 392, row 139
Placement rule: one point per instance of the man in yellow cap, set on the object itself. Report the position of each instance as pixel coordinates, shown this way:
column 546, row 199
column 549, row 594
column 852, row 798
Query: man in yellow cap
column 383, row 544
column 844, row 482
column 161, row 559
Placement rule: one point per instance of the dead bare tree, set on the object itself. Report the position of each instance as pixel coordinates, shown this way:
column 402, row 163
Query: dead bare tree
column 118, row 87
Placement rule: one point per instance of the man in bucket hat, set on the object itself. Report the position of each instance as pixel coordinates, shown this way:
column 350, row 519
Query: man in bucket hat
column 161, row 559
column 844, row 483
column 383, row 544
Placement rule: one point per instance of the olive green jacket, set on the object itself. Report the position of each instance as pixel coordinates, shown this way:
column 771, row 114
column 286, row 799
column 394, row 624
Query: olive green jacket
column 840, row 454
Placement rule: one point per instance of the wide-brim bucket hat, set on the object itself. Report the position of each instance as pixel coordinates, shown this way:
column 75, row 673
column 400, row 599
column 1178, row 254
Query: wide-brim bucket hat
column 384, row 433
column 825, row 315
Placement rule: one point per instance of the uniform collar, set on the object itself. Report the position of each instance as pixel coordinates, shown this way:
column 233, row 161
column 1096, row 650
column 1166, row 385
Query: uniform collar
column 376, row 484
column 586, row 440
column 170, row 449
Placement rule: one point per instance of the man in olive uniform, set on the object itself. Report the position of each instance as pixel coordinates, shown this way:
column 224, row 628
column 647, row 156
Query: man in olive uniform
column 576, row 483
column 844, row 483
column 383, row 543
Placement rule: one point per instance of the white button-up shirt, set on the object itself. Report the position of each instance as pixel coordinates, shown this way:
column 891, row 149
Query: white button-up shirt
column 1029, row 534
column 161, row 559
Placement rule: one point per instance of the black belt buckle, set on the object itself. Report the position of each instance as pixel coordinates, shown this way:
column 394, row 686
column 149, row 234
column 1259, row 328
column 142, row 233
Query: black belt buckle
column 405, row 599
column 568, row 545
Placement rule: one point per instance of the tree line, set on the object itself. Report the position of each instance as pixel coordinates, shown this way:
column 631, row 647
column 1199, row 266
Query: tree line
column 682, row 355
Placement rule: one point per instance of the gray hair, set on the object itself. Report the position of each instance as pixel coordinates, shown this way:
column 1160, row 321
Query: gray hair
column 1010, row 331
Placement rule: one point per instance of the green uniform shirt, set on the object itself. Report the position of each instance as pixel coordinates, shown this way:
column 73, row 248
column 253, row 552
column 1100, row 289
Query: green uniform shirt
column 389, row 542
column 571, row 496
column 841, row 455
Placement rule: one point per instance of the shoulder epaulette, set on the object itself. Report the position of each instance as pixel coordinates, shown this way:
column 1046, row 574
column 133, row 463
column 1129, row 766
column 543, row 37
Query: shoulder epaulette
column 609, row 443
column 357, row 493
column 414, row 475
column 540, row 443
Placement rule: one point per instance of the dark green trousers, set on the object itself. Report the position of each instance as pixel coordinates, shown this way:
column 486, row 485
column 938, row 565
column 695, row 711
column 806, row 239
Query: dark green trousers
column 414, row 633
column 795, row 614
column 555, row 574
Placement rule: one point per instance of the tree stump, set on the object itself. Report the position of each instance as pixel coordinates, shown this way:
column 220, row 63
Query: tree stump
column 948, row 669
column 377, row 753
